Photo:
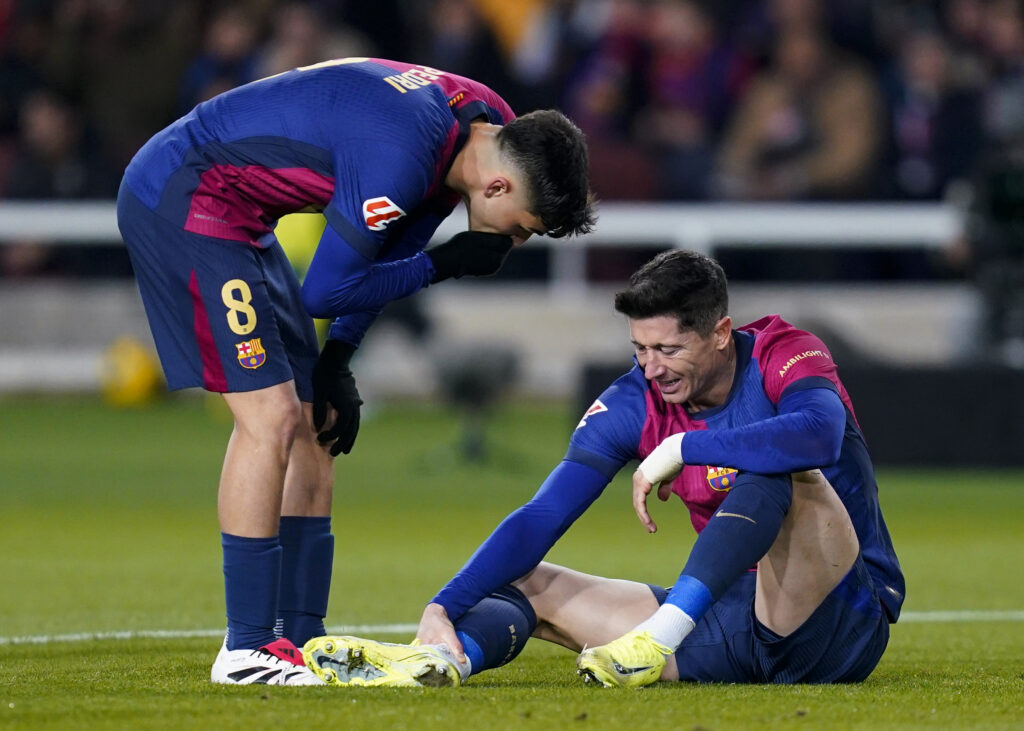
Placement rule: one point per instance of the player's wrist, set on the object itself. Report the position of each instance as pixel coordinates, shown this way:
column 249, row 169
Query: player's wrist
column 664, row 461
column 338, row 352
column 445, row 261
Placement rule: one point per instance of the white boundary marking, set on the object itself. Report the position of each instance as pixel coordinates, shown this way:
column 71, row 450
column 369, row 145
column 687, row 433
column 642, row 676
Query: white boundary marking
column 175, row 634
column 963, row 615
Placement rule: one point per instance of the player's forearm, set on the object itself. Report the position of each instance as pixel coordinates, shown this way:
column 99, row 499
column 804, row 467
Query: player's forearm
column 807, row 438
column 512, row 551
column 352, row 328
column 370, row 289
column 522, row 540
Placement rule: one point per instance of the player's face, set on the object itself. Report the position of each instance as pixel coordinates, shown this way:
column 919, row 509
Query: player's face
column 684, row 366
column 501, row 208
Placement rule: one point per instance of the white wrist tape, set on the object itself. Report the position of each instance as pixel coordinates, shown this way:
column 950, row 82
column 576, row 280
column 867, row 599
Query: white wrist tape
column 665, row 462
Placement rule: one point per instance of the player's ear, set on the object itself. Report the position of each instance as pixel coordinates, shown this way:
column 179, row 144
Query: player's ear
column 499, row 185
column 722, row 333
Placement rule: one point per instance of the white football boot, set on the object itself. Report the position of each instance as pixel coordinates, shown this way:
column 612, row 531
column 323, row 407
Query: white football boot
column 277, row 663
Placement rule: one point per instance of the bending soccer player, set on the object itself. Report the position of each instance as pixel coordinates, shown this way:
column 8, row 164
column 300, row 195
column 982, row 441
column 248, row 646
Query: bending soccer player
column 386, row 150
column 753, row 430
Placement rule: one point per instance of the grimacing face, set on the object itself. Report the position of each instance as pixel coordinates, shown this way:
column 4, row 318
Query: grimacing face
column 685, row 367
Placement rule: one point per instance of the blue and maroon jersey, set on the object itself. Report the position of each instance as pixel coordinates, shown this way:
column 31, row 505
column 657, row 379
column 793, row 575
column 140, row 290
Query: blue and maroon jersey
column 367, row 141
column 774, row 359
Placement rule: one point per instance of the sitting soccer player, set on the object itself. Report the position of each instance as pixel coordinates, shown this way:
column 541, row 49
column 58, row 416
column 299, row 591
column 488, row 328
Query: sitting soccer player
column 754, row 431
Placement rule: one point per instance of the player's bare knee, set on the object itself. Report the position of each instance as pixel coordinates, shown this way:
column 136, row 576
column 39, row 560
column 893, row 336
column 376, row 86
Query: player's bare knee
column 534, row 584
column 271, row 417
column 281, row 424
column 814, row 478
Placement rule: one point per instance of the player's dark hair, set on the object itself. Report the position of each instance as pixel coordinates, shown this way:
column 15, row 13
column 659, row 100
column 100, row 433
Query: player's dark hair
column 684, row 284
column 551, row 152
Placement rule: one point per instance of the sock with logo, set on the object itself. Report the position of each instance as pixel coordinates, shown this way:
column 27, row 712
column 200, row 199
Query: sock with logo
column 495, row 630
column 252, row 573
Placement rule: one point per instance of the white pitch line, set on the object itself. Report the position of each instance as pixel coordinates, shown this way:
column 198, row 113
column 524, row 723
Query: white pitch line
column 174, row 634
column 963, row 615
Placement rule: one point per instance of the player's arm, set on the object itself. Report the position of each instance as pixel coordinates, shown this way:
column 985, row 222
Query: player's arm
column 522, row 539
column 344, row 281
column 514, row 549
column 807, row 433
column 351, row 271
column 607, row 437
column 341, row 281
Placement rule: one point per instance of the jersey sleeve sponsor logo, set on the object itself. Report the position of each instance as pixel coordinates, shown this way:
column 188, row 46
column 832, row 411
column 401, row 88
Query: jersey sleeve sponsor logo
column 379, row 212
column 721, row 479
column 596, row 408
column 251, row 353
column 802, row 356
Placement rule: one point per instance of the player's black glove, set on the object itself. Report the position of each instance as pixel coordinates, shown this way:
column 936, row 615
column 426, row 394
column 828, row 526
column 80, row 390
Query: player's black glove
column 476, row 253
column 334, row 385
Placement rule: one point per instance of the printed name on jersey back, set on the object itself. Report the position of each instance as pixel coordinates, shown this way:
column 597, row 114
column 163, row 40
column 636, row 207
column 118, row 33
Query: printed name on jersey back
column 415, row 78
column 596, row 408
column 379, row 212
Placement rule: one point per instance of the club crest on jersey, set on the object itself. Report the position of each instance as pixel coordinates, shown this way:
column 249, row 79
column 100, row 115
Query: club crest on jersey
column 596, row 408
column 379, row 212
column 721, row 479
column 251, row 353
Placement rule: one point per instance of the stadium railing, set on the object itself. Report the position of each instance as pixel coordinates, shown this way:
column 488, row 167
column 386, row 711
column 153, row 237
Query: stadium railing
column 694, row 226
column 57, row 352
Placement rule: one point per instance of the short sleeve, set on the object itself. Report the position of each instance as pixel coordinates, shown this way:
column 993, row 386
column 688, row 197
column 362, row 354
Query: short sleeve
column 789, row 355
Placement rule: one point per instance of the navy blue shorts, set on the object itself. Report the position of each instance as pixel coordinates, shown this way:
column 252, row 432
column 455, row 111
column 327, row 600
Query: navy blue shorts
column 841, row 642
column 225, row 315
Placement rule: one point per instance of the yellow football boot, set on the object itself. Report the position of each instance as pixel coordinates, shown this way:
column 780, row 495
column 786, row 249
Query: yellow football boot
column 632, row 661
column 354, row 661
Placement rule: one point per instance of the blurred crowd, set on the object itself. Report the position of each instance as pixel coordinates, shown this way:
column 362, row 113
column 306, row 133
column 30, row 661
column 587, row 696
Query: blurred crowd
column 754, row 100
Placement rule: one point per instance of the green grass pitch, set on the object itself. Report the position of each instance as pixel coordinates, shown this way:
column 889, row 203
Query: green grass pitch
column 109, row 525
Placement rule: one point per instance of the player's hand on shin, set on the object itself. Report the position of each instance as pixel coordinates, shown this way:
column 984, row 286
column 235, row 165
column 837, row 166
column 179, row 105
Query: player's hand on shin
column 473, row 253
column 660, row 468
column 335, row 394
column 436, row 629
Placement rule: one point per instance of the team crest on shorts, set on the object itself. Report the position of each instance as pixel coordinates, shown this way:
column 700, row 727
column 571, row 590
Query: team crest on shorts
column 251, row 353
column 721, row 479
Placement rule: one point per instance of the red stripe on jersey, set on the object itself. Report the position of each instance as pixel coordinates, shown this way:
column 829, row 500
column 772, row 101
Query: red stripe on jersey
column 213, row 370
column 664, row 419
column 241, row 203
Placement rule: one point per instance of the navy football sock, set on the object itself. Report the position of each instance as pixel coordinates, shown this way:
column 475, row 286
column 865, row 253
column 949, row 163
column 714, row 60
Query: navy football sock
column 738, row 535
column 306, row 566
column 252, row 572
column 495, row 630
